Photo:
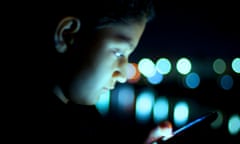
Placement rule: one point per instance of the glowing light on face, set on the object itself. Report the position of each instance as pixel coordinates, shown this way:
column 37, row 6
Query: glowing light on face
column 112, row 47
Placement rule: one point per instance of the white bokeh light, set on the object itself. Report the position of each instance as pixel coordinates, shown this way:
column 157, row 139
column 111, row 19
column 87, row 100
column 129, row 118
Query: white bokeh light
column 184, row 66
column 146, row 67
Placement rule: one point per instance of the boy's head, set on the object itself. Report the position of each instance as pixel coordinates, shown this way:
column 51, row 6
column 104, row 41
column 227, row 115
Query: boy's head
column 92, row 45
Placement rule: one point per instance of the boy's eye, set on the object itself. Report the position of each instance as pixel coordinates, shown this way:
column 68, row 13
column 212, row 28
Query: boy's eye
column 119, row 54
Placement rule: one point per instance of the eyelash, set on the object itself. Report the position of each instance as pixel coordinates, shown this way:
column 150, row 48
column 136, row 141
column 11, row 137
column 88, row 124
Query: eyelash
column 118, row 53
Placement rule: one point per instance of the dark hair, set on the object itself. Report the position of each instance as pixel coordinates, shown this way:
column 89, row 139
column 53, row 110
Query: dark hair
column 123, row 11
column 99, row 13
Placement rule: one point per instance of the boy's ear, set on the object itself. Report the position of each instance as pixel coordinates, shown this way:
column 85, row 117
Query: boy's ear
column 65, row 28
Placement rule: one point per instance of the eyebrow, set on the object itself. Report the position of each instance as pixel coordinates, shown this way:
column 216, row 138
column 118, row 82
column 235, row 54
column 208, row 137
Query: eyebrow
column 126, row 39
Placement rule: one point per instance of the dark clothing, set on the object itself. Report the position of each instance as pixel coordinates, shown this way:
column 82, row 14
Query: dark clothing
column 38, row 116
column 72, row 122
column 56, row 122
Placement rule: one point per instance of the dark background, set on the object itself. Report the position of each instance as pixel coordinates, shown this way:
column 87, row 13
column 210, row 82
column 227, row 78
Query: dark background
column 199, row 29
column 202, row 31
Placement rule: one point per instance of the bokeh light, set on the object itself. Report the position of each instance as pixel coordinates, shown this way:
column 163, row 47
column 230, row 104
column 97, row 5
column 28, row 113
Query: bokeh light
column 236, row 65
column 184, row 66
column 219, row 66
column 234, row 124
column 156, row 78
column 192, row 80
column 133, row 73
column 181, row 113
column 219, row 121
column 146, row 67
column 160, row 109
column 226, row 82
column 103, row 103
column 126, row 97
column 144, row 106
column 163, row 66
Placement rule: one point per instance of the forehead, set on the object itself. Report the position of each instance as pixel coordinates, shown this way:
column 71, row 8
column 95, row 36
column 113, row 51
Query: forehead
column 130, row 33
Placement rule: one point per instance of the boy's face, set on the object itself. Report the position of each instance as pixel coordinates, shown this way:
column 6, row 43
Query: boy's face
column 111, row 51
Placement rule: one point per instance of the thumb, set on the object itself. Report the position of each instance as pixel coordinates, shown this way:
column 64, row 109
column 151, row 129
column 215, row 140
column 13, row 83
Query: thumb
column 163, row 129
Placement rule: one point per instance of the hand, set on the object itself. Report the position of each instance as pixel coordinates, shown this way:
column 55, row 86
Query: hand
column 164, row 129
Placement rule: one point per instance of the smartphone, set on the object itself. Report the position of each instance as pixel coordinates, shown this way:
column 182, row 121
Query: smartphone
column 202, row 120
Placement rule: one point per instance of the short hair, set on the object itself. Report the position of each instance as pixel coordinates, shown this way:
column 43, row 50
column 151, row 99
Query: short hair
column 99, row 13
column 123, row 11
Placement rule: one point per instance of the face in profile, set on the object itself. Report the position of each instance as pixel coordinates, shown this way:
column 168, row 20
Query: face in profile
column 108, row 64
